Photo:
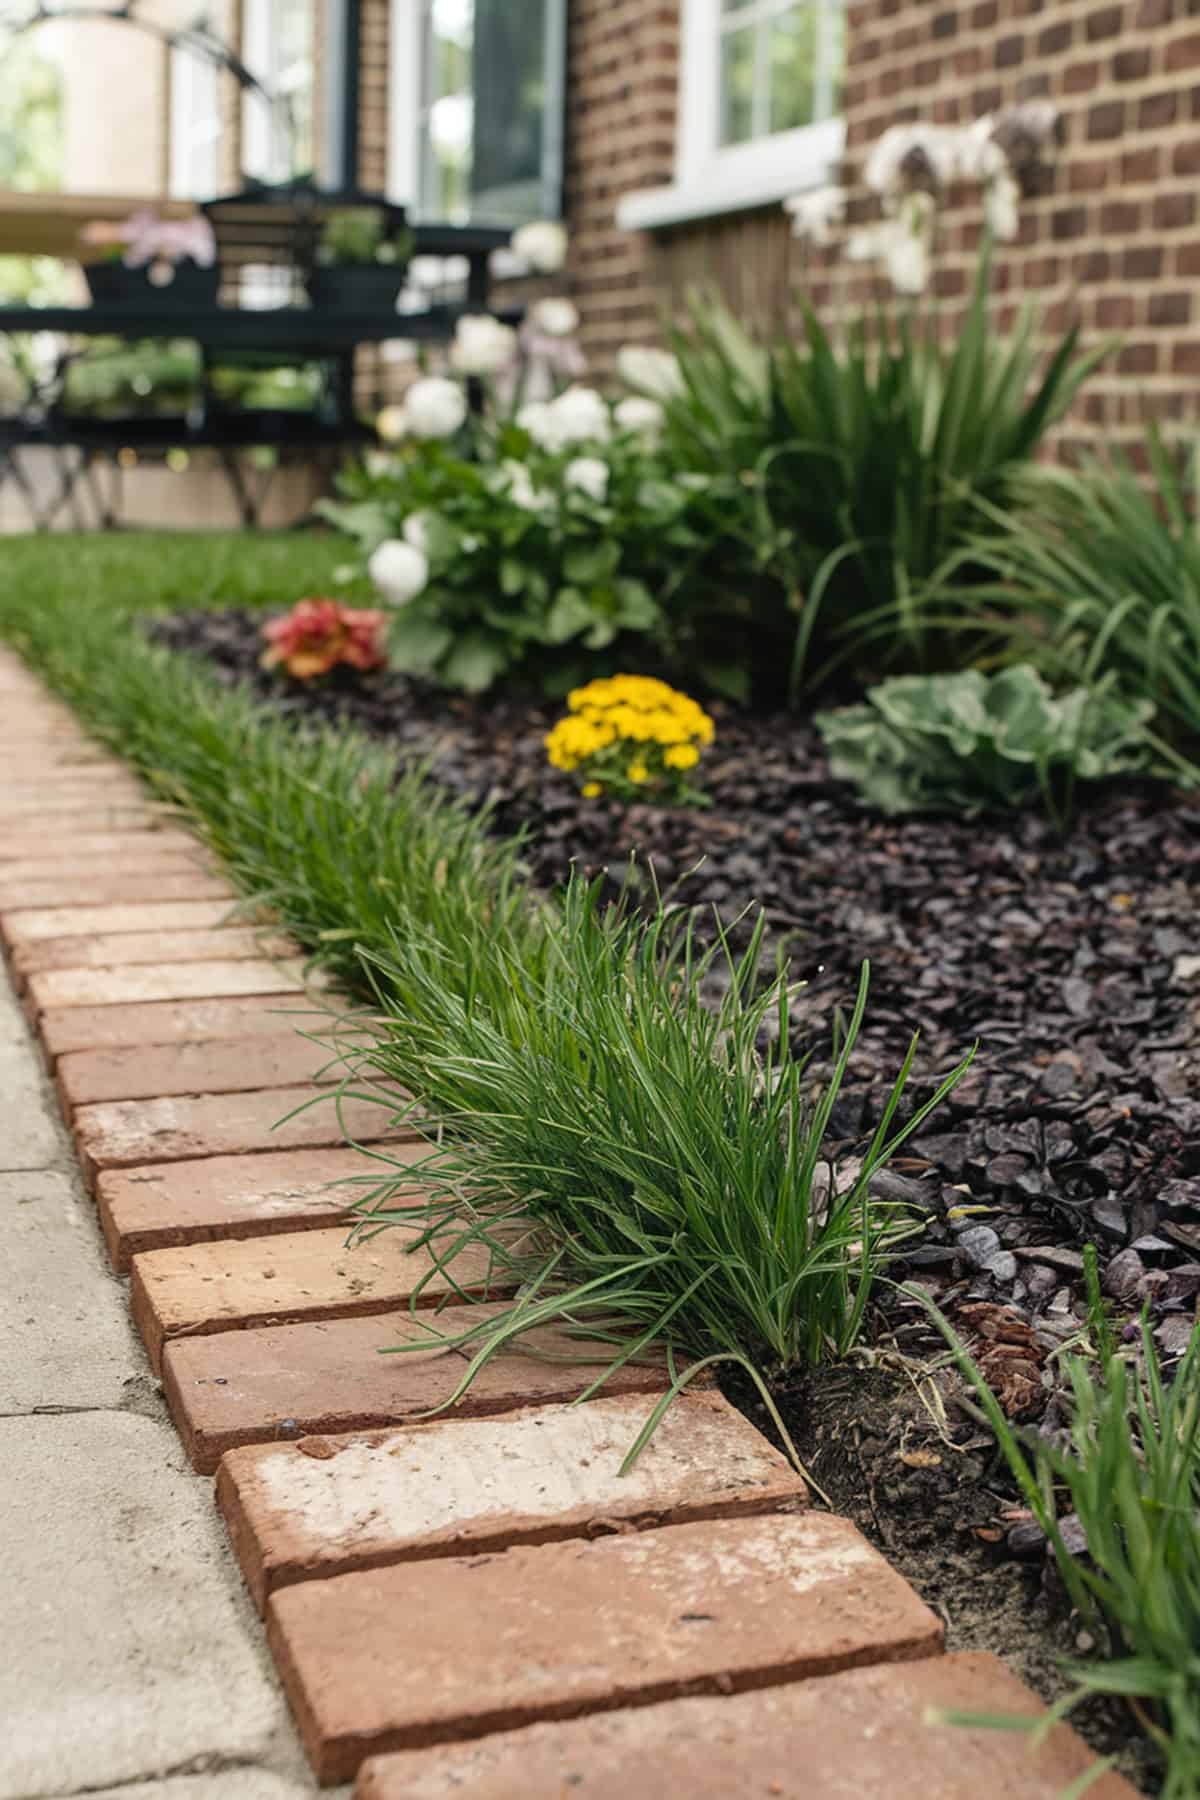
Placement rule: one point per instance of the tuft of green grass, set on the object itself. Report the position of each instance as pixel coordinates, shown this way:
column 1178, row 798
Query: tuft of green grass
column 649, row 1162
column 1130, row 1472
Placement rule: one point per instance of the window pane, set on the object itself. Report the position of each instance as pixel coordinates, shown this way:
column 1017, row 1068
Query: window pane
column 484, row 108
column 737, row 85
column 792, row 68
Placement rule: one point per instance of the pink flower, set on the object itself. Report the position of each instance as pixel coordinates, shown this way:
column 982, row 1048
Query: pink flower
column 318, row 634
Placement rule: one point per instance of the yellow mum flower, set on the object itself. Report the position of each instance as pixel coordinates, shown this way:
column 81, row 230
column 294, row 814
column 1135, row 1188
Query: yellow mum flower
column 681, row 756
column 591, row 790
column 638, row 772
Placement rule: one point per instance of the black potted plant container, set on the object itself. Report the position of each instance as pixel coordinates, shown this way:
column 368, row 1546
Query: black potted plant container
column 360, row 261
column 364, row 289
column 191, row 286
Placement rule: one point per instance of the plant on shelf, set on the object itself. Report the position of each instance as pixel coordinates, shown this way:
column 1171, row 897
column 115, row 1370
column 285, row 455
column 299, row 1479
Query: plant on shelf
column 969, row 743
column 146, row 260
column 319, row 635
column 360, row 260
column 633, row 738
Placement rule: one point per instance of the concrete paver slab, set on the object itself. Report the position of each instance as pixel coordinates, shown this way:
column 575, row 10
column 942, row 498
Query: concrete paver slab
column 29, row 1134
column 129, row 1655
column 65, row 1335
column 845, row 1737
column 53, row 847
column 561, row 1629
column 327, row 1506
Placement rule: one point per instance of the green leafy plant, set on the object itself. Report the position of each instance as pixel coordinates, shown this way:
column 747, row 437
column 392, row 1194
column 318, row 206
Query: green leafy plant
column 968, row 743
column 1130, row 1473
column 542, row 565
column 846, row 470
column 1097, row 572
column 354, row 235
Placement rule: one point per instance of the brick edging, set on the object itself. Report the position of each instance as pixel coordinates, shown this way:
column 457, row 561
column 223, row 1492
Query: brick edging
column 540, row 1585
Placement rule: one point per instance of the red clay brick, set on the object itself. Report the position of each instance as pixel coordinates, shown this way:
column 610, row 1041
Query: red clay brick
column 116, row 846
column 183, row 1021
column 60, row 828
column 68, row 988
column 88, row 888
column 289, row 1381
column 862, row 1733
column 198, row 1290
column 206, row 1066
column 34, row 926
column 120, row 1134
column 563, row 1629
column 328, row 1506
column 135, row 949
column 151, row 1208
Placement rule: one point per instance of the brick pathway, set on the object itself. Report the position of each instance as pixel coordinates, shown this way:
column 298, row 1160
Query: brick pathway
column 479, row 1604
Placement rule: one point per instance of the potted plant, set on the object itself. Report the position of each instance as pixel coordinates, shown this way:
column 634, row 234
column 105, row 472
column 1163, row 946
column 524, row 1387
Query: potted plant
column 149, row 262
column 360, row 262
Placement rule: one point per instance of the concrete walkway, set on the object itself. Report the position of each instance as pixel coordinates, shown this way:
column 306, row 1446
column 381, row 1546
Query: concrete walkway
column 134, row 1664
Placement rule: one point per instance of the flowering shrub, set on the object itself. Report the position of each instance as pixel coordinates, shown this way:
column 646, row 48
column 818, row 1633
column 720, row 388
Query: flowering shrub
column 557, row 541
column 318, row 634
column 632, row 737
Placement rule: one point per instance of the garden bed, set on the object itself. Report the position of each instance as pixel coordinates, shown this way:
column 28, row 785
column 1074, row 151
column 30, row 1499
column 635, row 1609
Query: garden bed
column 1072, row 960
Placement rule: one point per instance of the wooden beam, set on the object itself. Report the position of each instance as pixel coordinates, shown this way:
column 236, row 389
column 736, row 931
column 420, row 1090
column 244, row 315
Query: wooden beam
column 49, row 224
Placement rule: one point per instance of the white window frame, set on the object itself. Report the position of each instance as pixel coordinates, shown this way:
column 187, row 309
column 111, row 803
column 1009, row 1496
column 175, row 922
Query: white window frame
column 194, row 152
column 406, row 71
column 712, row 178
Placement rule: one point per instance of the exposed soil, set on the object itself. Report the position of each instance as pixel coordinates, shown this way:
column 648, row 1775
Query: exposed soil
column 1072, row 961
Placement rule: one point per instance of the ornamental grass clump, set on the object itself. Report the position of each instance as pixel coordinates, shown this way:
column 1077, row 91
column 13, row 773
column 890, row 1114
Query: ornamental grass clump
column 319, row 634
column 632, row 737
column 1127, row 1467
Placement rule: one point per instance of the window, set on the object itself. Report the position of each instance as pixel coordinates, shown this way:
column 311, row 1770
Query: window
column 195, row 135
column 475, row 114
column 760, row 99
column 277, row 48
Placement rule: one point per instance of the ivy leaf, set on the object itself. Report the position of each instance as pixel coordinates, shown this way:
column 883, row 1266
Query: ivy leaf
column 512, row 575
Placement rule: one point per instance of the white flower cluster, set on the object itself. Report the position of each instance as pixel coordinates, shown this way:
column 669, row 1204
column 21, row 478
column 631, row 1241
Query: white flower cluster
column 908, row 167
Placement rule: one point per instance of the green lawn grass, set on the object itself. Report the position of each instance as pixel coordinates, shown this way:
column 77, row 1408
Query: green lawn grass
column 169, row 571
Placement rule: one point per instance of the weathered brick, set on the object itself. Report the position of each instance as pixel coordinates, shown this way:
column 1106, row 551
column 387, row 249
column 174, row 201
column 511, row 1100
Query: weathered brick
column 70, row 988
column 133, row 949
column 122, row 1134
column 202, row 1066
column 50, row 888
column 1170, row 309
column 288, row 1381
column 200, row 1289
column 713, row 1607
column 862, row 1732
column 67, row 849
column 185, row 1021
column 36, row 925
column 1106, row 120
column 155, row 1206
column 328, row 1506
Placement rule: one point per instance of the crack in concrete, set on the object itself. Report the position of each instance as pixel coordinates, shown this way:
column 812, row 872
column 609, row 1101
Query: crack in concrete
column 202, row 1765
